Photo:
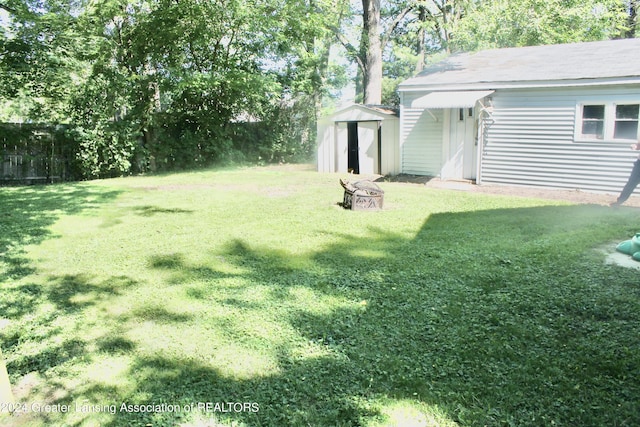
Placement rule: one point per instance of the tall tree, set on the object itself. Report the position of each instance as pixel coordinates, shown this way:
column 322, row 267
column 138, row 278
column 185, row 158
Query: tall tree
column 630, row 30
column 427, row 26
column 375, row 36
column 505, row 23
column 439, row 18
column 371, row 52
column 37, row 57
column 183, row 73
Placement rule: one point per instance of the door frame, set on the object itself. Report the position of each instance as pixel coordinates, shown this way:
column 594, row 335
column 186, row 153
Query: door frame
column 353, row 148
column 349, row 133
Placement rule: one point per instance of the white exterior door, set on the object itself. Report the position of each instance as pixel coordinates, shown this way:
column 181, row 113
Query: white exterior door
column 368, row 147
column 341, row 151
column 460, row 151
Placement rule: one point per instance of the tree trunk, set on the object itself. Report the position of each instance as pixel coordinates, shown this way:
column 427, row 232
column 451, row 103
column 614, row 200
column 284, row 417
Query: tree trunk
column 371, row 49
column 632, row 19
column 420, row 47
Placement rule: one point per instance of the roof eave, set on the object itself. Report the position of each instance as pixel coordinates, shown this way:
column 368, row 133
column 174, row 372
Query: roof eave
column 533, row 84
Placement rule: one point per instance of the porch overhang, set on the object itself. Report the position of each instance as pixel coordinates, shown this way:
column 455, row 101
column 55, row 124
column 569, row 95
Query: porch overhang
column 455, row 99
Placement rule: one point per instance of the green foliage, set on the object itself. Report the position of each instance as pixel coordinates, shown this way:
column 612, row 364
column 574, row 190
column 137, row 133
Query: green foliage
column 36, row 61
column 501, row 23
column 158, row 84
column 105, row 151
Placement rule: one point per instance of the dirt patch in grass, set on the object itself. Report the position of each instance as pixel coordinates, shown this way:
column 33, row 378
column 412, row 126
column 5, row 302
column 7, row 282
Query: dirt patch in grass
column 612, row 256
column 177, row 187
column 573, row 196
column 274, row 192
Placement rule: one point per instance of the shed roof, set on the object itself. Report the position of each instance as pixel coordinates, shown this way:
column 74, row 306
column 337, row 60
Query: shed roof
column 359, row 112
column 611, row 59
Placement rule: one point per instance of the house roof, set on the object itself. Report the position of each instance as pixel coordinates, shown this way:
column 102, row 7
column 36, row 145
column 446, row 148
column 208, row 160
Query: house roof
column 574, row 62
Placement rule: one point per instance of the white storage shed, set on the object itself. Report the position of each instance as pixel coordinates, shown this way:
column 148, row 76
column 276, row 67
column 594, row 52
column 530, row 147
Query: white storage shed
column 362, row 139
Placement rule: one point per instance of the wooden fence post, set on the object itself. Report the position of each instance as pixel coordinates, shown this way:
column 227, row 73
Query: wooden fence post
column 6, row 396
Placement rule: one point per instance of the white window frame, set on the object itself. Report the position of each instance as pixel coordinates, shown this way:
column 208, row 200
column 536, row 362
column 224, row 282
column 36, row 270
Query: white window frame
column 637, row 120
column 609, row 122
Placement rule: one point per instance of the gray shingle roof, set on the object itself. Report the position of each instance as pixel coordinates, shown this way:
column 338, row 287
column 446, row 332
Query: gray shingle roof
column 575, row 61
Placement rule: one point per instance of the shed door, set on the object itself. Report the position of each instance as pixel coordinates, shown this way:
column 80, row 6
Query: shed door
column 342, row 149
column 461, row 153
column 368, row 140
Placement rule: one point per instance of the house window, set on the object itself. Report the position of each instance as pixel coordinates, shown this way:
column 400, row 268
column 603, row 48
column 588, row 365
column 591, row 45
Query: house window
column 608, row 121
column 626, row 123
column 593, row 121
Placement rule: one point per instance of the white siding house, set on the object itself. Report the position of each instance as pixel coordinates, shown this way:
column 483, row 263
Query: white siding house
column 361, row 139
column 560, row 116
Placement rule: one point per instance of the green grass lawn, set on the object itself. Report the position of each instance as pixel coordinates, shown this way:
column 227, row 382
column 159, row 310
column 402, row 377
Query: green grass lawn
column 247, row 297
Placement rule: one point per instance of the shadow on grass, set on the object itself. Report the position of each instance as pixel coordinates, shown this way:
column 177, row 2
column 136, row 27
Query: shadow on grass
column 68, row 294
column 183, row 271
column 27, row 214
column 64, row 297
column 497, row 317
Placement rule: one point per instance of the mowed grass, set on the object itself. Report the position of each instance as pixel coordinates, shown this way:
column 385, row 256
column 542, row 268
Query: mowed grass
column 248, row 297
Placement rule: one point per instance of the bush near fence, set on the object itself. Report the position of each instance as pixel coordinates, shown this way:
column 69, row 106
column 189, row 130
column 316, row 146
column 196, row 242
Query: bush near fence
column 45, row 153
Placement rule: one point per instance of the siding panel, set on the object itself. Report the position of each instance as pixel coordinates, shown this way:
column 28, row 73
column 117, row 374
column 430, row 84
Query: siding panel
column 421, row 139
column 529, row 140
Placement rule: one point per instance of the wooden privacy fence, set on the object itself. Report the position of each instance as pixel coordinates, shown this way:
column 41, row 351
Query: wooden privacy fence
column 32, row 153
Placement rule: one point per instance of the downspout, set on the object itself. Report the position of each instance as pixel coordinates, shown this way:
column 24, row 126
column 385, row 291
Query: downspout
column 399, row 166
column 485, row 119
column 380, row 172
